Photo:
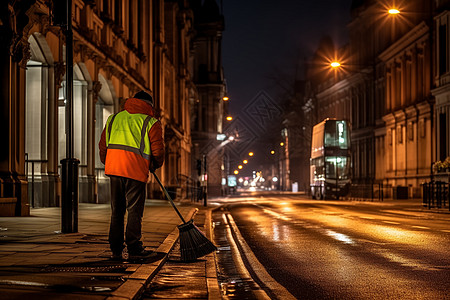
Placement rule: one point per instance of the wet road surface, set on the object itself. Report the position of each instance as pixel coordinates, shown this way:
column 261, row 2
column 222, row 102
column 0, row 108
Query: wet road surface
column 347, row 250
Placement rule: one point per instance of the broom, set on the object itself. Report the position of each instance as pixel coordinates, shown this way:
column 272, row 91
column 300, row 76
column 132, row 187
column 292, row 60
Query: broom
column 193, row 243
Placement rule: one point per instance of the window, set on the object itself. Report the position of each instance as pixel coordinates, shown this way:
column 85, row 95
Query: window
column 336, row 134
column 443, row 136
column 422, row 127
column 411, row 131
column 400, row 134
column 337, row 166
column 36, row 103
column 443, row 53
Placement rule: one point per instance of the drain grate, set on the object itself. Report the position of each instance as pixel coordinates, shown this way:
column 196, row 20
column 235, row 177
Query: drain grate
column 84, row 269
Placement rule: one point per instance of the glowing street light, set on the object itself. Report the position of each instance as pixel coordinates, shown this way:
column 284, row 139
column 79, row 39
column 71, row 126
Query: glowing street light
column 236, row 172
column 281, row 144
column 251, row 154
column 240, row 167
column 393, row 11
column 335, row 64
column 225, row 98
column 245, row 161
column 272, row 152
column 229, row 118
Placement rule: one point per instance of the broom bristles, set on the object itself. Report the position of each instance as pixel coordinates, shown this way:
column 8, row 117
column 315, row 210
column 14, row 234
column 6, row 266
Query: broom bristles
column 193, row 242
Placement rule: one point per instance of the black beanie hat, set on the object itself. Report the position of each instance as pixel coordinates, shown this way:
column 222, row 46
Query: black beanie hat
column 144, row 96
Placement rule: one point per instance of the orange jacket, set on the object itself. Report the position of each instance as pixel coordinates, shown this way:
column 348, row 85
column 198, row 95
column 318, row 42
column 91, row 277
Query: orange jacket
column 128, row 164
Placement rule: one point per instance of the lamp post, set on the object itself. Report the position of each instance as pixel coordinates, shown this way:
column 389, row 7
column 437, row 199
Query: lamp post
column 69, row 165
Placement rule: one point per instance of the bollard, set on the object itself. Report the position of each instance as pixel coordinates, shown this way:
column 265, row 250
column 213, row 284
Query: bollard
column 69, row 201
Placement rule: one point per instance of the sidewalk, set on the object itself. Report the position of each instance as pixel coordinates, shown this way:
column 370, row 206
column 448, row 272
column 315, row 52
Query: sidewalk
column 38, row 262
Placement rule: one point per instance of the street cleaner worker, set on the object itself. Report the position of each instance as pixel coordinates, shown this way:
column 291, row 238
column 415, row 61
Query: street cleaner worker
column 131, row 145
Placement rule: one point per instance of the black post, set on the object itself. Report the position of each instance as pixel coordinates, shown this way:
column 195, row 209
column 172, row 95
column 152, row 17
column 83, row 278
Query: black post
column 69, row 203
column 448, row 195
column 69, row 176
column 205, row 187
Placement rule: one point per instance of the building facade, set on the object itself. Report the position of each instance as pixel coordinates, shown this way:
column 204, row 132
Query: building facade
column 393, row 88
column 208, row 109
column 120, row 47
column 441, row 88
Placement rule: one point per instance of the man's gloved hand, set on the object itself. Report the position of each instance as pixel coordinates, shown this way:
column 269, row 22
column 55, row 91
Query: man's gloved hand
column 152, row 168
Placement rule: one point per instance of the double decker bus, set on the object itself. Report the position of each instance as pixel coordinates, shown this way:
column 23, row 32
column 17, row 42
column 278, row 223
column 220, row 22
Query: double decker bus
column 330, row 159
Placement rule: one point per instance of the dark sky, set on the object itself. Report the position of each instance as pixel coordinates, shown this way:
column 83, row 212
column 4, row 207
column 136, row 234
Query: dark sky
column 263, row 35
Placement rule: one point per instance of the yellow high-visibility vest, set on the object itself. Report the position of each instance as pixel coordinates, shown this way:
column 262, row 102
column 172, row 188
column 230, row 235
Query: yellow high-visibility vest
column 129, row 132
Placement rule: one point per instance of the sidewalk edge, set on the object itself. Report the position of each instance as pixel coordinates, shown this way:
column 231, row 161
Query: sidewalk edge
column 136, row 283
column 212, row 284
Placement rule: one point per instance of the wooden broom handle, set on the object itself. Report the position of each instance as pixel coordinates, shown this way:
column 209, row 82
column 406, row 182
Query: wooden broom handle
column 168, row 197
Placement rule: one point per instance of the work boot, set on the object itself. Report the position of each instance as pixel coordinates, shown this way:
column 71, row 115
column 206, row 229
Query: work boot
column 142, row 254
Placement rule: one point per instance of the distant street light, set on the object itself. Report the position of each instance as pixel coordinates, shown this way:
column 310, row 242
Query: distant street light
column 245, row 161
column 393, row 11
column 225, row 98
column 229, row 118
column 281, row 144
column 335, row 64
column 236, row 172
column 272, row 152
column 240, row 167
column 250, row 154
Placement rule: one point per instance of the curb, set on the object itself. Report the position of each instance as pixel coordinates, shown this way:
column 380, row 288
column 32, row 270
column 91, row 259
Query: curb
column 212, row 284
column 137, row 282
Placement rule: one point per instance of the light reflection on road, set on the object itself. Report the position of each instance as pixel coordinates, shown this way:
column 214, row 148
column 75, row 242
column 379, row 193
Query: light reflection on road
column 364, row 253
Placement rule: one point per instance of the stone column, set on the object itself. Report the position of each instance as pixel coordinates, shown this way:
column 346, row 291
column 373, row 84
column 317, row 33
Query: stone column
column 90, row 194
column 14, row 53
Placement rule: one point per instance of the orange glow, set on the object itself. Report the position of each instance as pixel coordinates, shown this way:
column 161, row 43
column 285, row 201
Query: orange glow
column 229, row 118
column 250, row 154
column 393, row 11
column 240, row 167
column 245, row 161
column 335, row 64
column 281, row 144
column 236, row 172
column 225, row 98
column 272, row 152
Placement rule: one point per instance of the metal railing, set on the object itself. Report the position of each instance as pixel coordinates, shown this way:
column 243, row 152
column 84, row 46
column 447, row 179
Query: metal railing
column 436, row 194
column 370, row 191
column 32, row 162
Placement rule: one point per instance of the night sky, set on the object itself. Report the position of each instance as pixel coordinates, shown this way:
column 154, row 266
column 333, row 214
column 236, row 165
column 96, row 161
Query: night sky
column 263, row 39
column 262, row 36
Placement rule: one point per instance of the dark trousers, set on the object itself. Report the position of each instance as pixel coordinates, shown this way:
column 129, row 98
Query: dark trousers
column 126, row 195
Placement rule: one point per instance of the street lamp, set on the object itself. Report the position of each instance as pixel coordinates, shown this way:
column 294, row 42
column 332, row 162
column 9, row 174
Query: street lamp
column 236, row 172
column 229, row 118
column 251, row 154
column 225, row 98
column 240, row 167
column 272, row 152
column 393, row 11
column 335, row 64
column 245, row 161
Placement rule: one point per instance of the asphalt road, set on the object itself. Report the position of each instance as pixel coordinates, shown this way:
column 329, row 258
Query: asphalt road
column 347, row 250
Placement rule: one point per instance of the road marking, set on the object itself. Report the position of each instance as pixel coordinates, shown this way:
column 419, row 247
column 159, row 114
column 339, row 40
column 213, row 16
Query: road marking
column 390, row 222
column 420, row 227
